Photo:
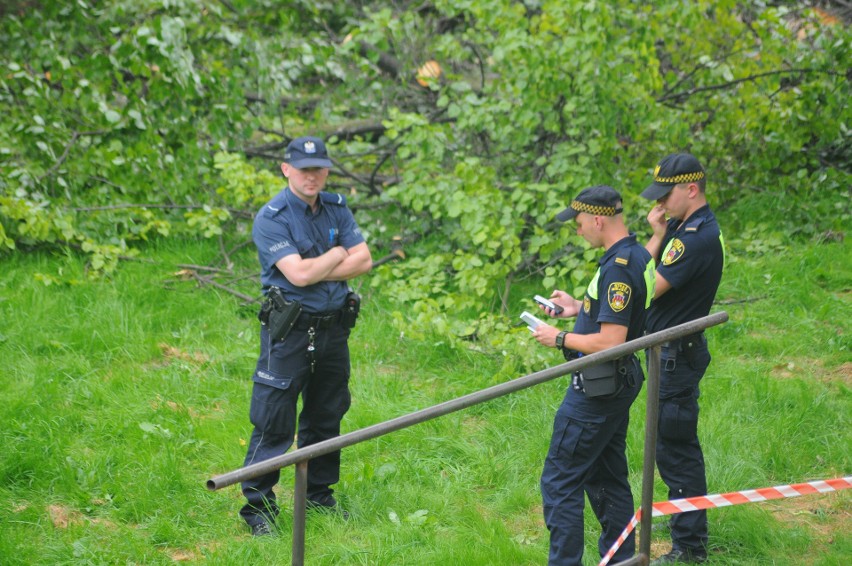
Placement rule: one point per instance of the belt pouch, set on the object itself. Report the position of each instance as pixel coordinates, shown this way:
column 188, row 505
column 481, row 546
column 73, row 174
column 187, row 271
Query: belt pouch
column 601, row 380
column 351, row 308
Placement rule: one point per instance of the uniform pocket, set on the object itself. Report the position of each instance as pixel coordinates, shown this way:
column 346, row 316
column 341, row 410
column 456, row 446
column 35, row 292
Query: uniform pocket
column 574, row 433
column 679, row 417
column 272, row 401
column 272, row 379
column 307, row 248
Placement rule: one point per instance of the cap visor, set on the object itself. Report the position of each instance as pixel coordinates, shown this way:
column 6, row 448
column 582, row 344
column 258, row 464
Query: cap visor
column 566, row 214
column 656, row 191
column 312, row 162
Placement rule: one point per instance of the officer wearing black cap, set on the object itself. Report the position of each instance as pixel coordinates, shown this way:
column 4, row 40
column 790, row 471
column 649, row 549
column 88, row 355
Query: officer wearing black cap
column 587, row 449
column 309, row 246
column 690, row 253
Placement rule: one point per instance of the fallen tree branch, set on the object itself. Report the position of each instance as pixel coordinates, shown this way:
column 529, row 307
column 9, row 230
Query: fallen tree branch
column 74, row 137
column 203, row 280
column 678, row 96
column 736, row 301
column 204, row 268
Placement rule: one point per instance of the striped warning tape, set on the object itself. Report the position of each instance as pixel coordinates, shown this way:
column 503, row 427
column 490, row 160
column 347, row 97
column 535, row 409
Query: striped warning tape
column 725, row 499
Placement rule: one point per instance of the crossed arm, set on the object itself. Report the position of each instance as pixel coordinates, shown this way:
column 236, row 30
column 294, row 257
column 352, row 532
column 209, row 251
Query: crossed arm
column 337, row 264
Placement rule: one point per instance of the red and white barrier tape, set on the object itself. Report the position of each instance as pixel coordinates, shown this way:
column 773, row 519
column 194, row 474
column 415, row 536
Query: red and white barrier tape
column 725, row 499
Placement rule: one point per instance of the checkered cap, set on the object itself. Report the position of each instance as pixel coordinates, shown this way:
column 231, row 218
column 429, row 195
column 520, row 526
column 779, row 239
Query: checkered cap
column 600, row 200
column 673, row 170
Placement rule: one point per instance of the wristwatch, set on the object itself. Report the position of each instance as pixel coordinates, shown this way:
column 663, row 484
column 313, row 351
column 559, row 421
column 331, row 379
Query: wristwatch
column 560, row 339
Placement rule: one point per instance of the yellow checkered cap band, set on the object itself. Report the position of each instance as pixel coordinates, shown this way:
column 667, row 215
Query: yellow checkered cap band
column 682, row 178
column 597, row 210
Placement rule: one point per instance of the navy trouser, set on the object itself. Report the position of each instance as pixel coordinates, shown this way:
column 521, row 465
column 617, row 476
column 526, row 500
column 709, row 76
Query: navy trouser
column 587, row 455
column 283, row 372
column 679, row 456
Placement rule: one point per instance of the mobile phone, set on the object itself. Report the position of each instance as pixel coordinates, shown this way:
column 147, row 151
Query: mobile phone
column 548, row 303
column 532, row 322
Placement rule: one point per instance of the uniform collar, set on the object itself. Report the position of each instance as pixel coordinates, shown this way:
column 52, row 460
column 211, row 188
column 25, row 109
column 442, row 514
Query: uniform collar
column 701, row 212
column 299, row 204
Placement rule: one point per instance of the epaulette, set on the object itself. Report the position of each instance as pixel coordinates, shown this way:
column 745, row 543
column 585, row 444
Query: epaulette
column 333, row 198
column 694, row 225
column 274, row 207
column 622, row 257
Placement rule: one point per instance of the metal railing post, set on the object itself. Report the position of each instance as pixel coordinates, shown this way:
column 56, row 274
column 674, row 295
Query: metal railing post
column 300, row 490
column 651, row 417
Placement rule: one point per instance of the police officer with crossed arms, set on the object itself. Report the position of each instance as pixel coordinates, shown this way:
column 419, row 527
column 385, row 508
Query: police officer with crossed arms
column 309, row 246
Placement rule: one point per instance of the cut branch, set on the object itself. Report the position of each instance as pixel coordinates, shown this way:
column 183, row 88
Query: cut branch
column 679, row 96
column 203, row 280
column 74, row 137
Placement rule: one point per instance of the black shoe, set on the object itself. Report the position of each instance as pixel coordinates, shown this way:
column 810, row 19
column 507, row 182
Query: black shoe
column 328, row 504
column 677, row 556
column 261, row 529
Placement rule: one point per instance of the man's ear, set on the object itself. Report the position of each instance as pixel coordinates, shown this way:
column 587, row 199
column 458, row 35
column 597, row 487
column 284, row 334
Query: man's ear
column 284, row 169
column 693, row 190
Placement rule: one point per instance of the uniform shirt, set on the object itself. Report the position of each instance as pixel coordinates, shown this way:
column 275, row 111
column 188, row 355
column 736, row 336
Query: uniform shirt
column 287, row 225
column 692, row 261
column 620, row 291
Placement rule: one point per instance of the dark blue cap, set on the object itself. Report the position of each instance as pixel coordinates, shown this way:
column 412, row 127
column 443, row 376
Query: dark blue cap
column 601, row 200
column 674, row 169
column 307, row 152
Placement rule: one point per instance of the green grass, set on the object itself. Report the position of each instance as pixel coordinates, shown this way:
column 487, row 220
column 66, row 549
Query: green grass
column 119, row 398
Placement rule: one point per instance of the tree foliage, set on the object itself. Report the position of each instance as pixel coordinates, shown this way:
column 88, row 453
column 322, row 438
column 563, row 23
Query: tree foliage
column 125, row 121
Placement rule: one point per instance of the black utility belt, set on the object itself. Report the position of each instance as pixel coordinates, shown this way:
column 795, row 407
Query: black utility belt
column 686, row 343
column 308, row 320
column 280, row 316
column 605, row 380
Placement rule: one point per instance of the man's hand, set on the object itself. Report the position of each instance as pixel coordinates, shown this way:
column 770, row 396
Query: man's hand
column 303, row 272
column 570, row 305
column 546, row 335
column 657, row 220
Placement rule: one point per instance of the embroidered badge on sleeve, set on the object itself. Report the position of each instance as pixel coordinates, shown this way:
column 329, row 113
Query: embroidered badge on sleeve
column 674, row 252
column 618, row 296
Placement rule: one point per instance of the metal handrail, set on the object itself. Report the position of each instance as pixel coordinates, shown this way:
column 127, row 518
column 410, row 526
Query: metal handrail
column 301, row 456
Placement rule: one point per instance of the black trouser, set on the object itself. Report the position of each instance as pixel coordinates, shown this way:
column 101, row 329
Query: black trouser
column 679, row 455
column 587, row 455
column 284, row 371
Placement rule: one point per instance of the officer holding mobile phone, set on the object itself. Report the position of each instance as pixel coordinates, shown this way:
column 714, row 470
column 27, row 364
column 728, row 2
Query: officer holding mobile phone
column 587, row 448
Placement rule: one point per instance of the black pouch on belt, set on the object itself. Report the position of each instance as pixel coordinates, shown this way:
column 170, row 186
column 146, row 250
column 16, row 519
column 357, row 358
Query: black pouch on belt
column 601, row 380
column 283, row 314
column 351, row 308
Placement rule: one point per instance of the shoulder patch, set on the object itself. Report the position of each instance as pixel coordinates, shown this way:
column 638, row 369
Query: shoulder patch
column 618, row 296
column 274, row 206
column 622, row 257
column 674, row 252
column 693, row 225
column 333, row 198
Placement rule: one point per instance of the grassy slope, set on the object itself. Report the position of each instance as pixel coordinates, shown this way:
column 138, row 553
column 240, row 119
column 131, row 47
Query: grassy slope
column 120, row 398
